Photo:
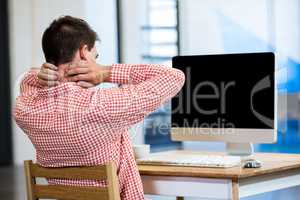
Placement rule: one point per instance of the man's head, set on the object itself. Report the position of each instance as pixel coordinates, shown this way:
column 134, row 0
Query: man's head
column 69, row 39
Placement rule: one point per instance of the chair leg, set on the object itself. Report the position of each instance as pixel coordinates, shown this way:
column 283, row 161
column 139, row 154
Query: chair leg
column 179, row 198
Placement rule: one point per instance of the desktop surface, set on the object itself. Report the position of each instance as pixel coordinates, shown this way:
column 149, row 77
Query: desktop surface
column 271, row 163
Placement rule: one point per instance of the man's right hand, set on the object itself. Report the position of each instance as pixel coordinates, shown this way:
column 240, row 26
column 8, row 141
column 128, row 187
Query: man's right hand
column 48, row 75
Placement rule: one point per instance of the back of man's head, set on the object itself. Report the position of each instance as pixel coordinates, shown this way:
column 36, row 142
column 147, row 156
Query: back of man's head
column 64, row 37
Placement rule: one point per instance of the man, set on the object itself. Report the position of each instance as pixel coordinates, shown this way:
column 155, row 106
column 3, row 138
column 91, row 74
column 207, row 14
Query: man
column 70, row 125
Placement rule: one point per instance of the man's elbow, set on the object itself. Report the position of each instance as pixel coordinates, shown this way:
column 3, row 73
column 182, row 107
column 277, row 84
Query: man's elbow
column 180, row 77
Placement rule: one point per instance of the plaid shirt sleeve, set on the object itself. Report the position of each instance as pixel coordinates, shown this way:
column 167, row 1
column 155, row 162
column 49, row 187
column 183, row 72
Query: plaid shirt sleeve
column 144, row 89
column 30, row 82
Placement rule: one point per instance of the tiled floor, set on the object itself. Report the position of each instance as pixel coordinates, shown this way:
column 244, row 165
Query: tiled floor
column 12, row 183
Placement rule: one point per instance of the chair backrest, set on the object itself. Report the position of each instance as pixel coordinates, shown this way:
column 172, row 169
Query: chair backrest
column 106, row 172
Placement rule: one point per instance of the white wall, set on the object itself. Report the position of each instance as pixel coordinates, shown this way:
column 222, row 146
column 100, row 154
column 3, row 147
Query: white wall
column 131, row 33
column 21, row 58
column 28, row 20
column 200, row 23
column 287, row 27
column 131, row 13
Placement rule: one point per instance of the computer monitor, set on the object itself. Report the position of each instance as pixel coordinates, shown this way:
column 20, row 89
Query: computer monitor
column 226, row 97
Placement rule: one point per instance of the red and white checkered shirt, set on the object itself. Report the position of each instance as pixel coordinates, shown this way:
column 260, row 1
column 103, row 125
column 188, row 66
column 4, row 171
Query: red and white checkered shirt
column 72, row 126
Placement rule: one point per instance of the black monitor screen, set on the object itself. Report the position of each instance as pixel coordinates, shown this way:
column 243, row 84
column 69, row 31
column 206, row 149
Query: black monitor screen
column 225, row 91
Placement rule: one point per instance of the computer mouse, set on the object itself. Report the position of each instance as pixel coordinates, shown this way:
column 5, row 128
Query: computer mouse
column 252, row 164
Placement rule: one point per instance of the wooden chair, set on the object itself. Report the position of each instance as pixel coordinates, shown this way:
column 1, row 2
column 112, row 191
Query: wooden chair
column 106, row 172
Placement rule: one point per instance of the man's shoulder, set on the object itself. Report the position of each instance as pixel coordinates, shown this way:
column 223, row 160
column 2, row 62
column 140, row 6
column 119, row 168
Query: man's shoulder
column 59, row 99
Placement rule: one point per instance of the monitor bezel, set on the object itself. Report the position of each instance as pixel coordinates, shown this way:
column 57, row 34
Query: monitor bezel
column 252, row 135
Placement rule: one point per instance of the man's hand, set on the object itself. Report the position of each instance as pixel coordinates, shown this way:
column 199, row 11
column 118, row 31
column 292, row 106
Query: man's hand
column 87, row 73
column 48, row 75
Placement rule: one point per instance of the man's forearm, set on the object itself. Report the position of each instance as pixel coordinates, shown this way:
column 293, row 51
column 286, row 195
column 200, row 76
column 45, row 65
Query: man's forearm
column 136, row 73
column 121, row 73
column 145, row 88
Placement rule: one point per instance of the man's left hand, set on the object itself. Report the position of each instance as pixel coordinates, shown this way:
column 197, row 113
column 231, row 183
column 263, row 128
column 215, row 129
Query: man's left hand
column 87, row 73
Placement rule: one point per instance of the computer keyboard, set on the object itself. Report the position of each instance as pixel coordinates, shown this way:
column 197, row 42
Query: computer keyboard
column 213, row 161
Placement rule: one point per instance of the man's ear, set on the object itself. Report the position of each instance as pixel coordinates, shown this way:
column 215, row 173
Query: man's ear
column 83, row 52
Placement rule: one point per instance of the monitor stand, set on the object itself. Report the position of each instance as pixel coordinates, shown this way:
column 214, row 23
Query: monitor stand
column 244, row 150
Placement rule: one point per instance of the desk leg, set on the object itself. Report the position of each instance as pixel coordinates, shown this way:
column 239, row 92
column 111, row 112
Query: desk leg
column 235, row 190
column 179, row 198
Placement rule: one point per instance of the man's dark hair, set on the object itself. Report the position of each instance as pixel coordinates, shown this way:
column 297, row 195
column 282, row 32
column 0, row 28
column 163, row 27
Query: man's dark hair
column 64, row 37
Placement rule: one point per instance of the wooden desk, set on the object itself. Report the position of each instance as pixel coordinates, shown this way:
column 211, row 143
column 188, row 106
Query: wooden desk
column 278, row 171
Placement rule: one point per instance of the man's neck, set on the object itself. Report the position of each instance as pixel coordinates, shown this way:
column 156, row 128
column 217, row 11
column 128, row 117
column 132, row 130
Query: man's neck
column 62, row 69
